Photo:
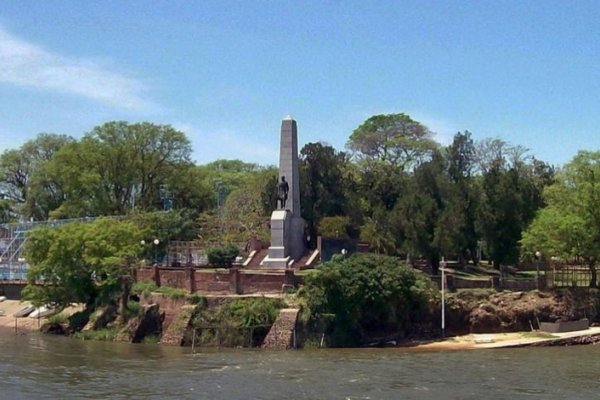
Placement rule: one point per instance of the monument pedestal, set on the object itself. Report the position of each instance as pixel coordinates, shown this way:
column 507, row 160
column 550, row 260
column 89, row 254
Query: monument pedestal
column 287, row 240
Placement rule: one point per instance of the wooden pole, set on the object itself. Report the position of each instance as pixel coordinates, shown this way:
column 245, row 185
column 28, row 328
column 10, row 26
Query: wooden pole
column 193, row 340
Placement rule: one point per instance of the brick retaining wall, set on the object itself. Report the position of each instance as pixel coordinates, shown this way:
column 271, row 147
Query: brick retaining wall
column 233, row 280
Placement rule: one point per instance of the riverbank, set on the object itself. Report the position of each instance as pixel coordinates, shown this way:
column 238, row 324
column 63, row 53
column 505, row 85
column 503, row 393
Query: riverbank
column 11, row 325
column 514, row 339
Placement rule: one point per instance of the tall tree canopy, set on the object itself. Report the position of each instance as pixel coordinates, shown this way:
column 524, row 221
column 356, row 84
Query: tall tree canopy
column 394, row 139
column 569, row 225
column 23, row 176
column 325, row 184
column 118, row 166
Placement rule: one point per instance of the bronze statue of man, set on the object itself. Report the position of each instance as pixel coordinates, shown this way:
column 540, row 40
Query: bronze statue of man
column 282, row 193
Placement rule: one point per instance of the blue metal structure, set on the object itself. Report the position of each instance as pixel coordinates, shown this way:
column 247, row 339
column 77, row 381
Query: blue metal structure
column 13, row 265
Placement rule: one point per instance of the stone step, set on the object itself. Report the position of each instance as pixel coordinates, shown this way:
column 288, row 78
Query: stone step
column 281, row 334
column 175, row 333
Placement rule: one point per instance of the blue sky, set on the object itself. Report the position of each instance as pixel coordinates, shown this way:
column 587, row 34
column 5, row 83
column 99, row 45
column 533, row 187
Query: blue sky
column 227, row 72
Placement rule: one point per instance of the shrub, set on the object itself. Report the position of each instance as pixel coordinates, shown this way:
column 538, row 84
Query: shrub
column 60, row 318
column 335, row 227
column 241, row 322
column 144, row 287
column 223, row 256
column 366, row 295
column 153, row 339
column 134, row 309
column 197, row 299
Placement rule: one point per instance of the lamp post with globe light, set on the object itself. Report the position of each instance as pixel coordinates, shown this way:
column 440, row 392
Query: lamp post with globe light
column 156, row 243
column 538, row 257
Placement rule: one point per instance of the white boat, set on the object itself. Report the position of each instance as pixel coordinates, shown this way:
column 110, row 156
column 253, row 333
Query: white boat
column 25, row 311
column 42, row 312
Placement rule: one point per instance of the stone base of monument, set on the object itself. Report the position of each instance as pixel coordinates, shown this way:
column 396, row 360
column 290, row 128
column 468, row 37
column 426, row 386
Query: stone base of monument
column 276, row 263
column 287, row 242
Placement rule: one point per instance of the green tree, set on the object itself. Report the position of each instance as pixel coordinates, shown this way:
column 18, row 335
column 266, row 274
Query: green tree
column 24, row 180
column 325, row 184
column 120, row 166
column 417, row 213
column 247, row 209
column 366, row 295
column 569, row 225
column 394, row 139
column 511, row 186
column 81, row 262
column 457, row 226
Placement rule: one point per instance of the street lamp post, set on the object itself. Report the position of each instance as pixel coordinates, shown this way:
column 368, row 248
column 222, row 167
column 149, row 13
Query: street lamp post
column 443, row 270
column 538, row 256
column 156, row 242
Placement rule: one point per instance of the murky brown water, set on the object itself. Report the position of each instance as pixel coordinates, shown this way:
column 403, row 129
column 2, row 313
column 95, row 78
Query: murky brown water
column 45, row 367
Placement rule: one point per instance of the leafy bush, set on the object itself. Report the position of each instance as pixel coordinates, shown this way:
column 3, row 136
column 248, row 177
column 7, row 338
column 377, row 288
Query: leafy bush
column 153, row 339
column 134, row 308
column 60, row 318
column 197, row 299
column 144, row 288
column 223, row 256
column 335, row 227
column 366, row 295
column 241, row 322
column 253, row 311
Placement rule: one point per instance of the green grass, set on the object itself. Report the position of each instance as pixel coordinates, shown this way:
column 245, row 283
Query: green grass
column 151, row 339
column 60, row 318
column 145, row 288
column 539, row 335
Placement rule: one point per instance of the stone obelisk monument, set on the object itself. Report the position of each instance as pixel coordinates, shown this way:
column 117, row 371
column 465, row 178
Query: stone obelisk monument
column 287, row 225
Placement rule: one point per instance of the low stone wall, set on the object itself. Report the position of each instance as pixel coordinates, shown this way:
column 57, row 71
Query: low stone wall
column 233, row 280
column 455, row 282
column 522, row 285
column 515, row 285
column 565, row 326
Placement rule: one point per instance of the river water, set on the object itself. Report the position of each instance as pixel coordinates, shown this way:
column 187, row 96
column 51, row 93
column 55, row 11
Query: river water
column 38, row 366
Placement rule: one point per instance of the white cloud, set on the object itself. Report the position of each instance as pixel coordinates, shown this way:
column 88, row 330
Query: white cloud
column 23, row 63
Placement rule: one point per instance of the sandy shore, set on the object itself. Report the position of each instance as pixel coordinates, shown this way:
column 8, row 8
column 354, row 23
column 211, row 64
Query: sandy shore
column 504, row 340
column 8, row 320
column 9, row 323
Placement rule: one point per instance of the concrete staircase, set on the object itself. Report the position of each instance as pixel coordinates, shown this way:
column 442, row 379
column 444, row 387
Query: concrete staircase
column 176, row 330
column 281, row 335
column 257, row 259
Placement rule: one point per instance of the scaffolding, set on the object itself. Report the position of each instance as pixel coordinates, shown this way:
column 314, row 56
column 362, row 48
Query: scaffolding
column 13, row 265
